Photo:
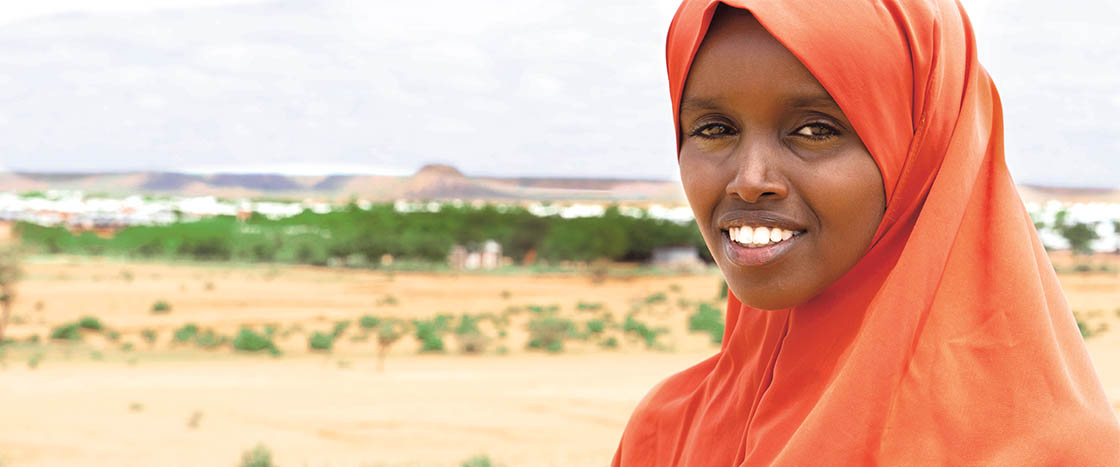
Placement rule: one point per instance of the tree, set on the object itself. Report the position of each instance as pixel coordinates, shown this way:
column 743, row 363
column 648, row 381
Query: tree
column 10, row 273
column 1079, row 235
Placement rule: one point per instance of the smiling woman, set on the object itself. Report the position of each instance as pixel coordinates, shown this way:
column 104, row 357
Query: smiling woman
column 785, row 194
column 890, row 301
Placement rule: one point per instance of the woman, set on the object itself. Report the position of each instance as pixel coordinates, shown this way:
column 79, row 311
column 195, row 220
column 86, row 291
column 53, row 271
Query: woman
column 891, row 303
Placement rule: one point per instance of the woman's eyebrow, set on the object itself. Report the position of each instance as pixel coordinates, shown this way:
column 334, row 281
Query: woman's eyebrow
column 698, row 103
column 810, row 101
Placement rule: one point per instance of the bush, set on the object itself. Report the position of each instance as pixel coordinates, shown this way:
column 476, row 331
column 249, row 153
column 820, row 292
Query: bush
column 648, row 335
column 339, row 328
column 70, row 332
column 250, row 341
column 186, row 333
column 658, row 297
column 707, row 319
column 429, row 333
column 259, row 456
column 368, row 322
column 149, row 335
column 209, row 339
column 583, row 306
column 469, row 335
column 161, row 307
column 90, row 322
column 549, row 332
column 320, row 341
column 477, row 461
column 610, row 343
column 596, row 326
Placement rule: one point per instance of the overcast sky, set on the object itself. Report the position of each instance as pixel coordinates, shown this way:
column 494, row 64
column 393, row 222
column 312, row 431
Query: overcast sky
column 538, row 88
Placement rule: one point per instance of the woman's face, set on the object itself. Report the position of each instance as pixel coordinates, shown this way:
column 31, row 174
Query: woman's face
column 785, row 193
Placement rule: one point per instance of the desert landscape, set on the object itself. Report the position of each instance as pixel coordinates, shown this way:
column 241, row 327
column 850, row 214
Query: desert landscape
column 141, row 388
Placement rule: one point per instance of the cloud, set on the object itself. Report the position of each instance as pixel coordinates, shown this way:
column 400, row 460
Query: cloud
column 511, row 88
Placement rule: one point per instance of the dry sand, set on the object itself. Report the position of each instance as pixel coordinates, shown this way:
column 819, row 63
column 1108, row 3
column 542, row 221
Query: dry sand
column 96, row 404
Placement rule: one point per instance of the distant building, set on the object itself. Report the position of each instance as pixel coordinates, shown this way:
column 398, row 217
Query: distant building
column 677, row 256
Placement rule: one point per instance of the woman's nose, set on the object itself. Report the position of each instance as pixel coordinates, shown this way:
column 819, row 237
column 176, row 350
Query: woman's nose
column 758, row 175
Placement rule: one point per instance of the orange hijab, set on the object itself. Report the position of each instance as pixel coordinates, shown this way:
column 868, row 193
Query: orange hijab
column 949, row 342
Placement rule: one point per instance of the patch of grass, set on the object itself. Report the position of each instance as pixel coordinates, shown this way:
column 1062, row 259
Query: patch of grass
column 248, row 340
column 585, row 306
column 470, row 337
column 186, row 333
column 549, row 332
column 387, row 300
column 707, row 319
column 339, row 328
column 639, row 328
column 320, row 341
column 91, row 323
column 149, row 335
column 481, row 460
column 655, row 298
column 136, row 407
column 161, row 307
column 430, row 334
column 609, row 343
column 209, row 339
column 258, row 456
column 538, row 309
column 34, row 360
column 596, row 326
column 67, row 332
column 368, row 322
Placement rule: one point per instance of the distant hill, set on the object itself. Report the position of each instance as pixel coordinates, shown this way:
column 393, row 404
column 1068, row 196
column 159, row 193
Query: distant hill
column 432, row 182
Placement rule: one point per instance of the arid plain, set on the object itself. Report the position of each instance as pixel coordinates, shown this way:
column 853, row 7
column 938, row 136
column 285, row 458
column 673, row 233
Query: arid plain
column 118, row 398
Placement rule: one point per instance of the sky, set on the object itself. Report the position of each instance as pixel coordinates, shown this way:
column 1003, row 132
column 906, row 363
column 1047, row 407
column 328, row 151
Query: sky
column 528, row 88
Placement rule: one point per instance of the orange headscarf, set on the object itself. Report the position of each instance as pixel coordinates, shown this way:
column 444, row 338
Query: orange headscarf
column 949, row 342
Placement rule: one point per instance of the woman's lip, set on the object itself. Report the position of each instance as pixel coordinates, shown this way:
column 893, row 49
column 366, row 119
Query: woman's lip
column 752, row 257
column 746, row 218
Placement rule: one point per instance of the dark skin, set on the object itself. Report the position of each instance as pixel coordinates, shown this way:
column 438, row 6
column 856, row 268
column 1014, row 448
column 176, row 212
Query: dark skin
column 764, row 145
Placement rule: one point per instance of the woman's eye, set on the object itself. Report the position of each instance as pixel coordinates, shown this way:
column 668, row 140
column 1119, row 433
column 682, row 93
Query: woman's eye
column 712, row 130
column 816, row 131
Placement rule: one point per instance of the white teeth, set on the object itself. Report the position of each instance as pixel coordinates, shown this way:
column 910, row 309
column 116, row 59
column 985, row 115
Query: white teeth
column 758, row 236
column 761, row 235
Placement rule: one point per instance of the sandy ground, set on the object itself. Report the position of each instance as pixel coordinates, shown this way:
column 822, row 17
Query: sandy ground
column 95, row 403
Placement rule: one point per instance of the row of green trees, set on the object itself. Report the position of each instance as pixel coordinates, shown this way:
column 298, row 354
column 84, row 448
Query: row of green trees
column 353, row 232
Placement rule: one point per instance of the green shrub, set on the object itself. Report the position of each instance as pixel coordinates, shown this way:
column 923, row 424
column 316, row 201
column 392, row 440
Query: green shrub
column 339, row 328
column 467, row 325
column 596, row 326
column 251, row 341
column 387, row 300
column 549, row 332
column 430, row 334
column 160, row 307
column 637, row 327
column 610, row 343
column 90, row 322
column 368, row 322
column 707, row 319
column 658, row 297
column 320, row 341
column 186, row 333
column 209, row 339
column 477, row 461
column 69, row 331
column 584, row 306
column 259, row 456
column 149, row 335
